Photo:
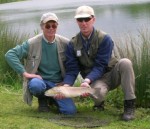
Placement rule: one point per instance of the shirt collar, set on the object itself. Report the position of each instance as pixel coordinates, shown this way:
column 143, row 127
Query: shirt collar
column 48, row 41
column 85, row 38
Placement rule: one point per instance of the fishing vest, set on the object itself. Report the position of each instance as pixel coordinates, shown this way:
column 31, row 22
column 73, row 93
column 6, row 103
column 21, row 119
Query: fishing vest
column 86, row 61
column 34, row 57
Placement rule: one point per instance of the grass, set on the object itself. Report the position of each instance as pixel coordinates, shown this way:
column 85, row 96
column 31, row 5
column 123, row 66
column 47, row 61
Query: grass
column 14, row 114
column 8, row 1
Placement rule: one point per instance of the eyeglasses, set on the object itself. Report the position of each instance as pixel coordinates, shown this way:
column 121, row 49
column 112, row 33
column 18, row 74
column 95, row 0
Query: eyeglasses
column 87, row 19
column 47, row 26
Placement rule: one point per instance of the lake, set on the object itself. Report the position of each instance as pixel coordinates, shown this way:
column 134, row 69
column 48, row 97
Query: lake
column 116, row 17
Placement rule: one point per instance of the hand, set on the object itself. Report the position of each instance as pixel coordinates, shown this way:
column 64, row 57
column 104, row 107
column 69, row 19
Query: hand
column 59, row 96
column 28, row 75
column 85, row 84
column 85, row 95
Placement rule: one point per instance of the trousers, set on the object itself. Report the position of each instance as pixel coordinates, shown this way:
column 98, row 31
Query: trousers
column 37, row 87
column 121, row 75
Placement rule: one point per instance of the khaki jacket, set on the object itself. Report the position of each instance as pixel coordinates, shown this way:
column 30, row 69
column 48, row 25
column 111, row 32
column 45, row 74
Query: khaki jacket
column 34, row 57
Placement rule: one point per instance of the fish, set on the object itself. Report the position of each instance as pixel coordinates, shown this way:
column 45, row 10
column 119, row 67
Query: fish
column 72, row 91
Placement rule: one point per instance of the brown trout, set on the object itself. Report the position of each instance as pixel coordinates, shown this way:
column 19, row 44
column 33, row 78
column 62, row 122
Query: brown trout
column 70, row 92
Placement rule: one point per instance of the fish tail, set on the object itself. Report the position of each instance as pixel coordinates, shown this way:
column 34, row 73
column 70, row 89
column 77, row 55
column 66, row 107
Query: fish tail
column 96, row 93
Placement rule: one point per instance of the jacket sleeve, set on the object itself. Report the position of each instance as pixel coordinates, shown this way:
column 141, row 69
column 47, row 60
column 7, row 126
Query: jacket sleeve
column 15, row 55
column 102, row 59
column 71, row 64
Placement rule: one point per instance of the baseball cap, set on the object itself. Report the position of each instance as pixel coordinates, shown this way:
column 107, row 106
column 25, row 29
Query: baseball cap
column 84, row 11
column 49, row 17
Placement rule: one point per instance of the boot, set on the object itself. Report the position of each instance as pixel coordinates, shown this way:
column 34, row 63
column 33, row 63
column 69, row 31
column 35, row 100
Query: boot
column 52, row 102
column 129, row 109
column 99, row 107
column 43, row 105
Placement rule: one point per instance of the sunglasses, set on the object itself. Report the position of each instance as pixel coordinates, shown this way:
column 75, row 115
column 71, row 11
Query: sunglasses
column 47, row 26
column 84, row 19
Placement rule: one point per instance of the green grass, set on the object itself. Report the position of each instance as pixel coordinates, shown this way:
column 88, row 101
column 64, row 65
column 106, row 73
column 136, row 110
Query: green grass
column 8, row 1
column 14, row 114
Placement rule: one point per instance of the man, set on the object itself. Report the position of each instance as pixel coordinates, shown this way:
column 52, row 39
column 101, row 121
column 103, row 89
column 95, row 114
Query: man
column 44, row 65
column 91, row 52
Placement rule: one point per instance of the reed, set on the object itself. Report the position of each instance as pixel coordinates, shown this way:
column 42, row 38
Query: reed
column 142, row 69
column 137, row 49
column 8, row 39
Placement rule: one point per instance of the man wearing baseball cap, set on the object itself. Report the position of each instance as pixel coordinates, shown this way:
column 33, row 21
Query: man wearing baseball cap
column 91, row 53
column 44, row 65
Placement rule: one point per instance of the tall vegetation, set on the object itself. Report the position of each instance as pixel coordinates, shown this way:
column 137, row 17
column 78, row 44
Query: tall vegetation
column 138, row 50
column 8, row 39
column 142, row 70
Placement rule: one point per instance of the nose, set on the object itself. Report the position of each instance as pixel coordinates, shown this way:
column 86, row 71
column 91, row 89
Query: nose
column 83, row 22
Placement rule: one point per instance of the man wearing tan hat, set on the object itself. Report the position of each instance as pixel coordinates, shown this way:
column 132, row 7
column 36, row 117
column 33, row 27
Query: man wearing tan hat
column 91, row 52
column 44, row 65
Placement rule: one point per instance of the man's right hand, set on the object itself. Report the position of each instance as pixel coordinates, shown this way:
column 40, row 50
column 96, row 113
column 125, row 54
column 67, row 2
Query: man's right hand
column 59, row 96
column 28, row 75
column 85, row 84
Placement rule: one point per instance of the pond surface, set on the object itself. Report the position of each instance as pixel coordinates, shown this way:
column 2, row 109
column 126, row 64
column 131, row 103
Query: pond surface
column 116, row 17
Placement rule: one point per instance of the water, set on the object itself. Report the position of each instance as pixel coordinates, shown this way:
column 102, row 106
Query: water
column 116, row 17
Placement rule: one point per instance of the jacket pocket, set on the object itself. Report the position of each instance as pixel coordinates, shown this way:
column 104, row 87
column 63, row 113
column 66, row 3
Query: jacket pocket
column 62, row 56
column 31, row 63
